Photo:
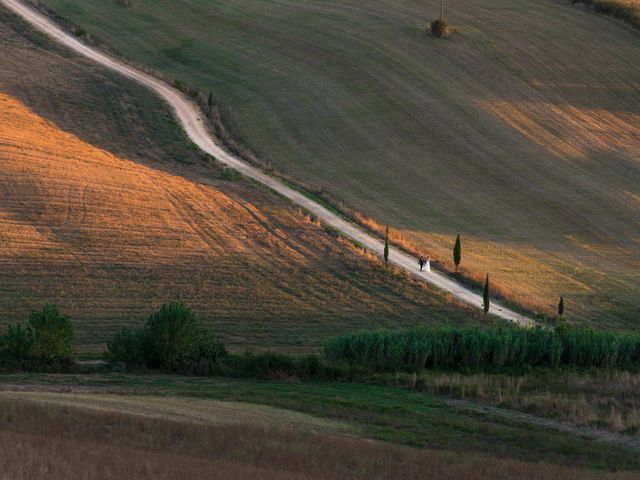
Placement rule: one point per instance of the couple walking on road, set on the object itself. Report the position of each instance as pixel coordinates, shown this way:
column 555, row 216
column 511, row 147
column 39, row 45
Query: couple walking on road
column 425, row 263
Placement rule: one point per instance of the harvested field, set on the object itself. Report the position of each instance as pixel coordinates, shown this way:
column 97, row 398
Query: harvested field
column 107, row 211
column 521, row 131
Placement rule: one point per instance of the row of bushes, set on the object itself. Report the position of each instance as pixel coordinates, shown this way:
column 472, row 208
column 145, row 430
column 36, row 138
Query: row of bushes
column 173, row 340
column 498, row 346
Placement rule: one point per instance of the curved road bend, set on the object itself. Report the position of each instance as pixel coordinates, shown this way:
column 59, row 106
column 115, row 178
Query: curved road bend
column 189, row 116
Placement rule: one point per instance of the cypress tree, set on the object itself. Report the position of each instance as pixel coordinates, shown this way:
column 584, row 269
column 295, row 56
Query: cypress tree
column 386, row 246
column 210, row 102
column 457, row 252
column 561, row 306
column 485, row 296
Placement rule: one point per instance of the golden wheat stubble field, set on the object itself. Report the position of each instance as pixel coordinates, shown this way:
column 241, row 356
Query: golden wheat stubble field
column 107, row 211
column 521, row 131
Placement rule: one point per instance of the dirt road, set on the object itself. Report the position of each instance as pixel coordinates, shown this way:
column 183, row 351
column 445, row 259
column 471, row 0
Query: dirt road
column 191, row 119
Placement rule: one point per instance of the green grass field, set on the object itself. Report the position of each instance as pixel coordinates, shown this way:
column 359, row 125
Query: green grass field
column 521, row 131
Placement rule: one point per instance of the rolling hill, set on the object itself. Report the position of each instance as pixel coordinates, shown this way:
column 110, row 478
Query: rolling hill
column 521, row 131
column 106, row 210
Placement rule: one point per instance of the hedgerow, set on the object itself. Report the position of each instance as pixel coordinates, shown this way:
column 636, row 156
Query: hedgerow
column 499, row 346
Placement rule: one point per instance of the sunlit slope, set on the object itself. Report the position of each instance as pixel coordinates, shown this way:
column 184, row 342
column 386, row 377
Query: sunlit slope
column 111, row 237
column 521, row 132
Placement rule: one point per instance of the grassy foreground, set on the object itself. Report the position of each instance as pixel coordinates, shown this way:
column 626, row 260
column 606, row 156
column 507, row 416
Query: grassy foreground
column 539, row 175
column 385, row 414
column 605, row 399
column 57, row 441
column 106, row 210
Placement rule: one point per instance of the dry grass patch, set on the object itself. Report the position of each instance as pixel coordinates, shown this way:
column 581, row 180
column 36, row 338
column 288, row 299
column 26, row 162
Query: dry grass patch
column 600, row 399
column 186, row 410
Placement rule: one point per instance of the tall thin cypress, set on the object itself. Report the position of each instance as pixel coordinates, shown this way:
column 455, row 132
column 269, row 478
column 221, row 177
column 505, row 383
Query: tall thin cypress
column 210, row 102
column 485, row 296
column 386, row 246
column 457, row 252
column 561, row 306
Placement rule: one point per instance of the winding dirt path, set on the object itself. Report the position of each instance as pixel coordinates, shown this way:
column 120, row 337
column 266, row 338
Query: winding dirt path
column 191, row 119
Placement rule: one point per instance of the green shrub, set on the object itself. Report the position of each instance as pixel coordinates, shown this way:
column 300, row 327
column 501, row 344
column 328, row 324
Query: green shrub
column 171, row 339
column 439, row 28
column 230, row 174
column 126, row 346
column 16, row 342
column 43, row 344
column 51, row 334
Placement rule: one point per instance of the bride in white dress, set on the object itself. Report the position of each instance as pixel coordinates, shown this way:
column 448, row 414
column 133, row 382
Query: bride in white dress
column 427, row 264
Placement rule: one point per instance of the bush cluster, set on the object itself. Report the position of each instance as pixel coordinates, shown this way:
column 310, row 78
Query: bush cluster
column 44, row 342
column 171, row 340
column 484, row 348
column 439, row 28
